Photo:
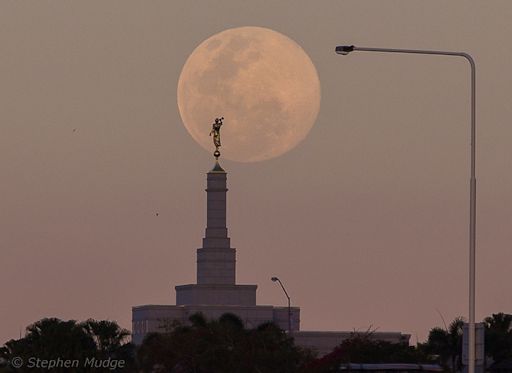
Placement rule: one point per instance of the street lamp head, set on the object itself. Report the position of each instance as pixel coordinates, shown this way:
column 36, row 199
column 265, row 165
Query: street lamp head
column 274, row 279
column 344, row 49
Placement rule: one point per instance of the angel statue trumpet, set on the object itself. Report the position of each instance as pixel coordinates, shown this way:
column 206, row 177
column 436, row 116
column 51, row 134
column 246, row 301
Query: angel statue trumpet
column 216, row 136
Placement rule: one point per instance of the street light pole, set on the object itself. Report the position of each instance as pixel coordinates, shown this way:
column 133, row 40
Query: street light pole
column 346, row 49
column 274, row 279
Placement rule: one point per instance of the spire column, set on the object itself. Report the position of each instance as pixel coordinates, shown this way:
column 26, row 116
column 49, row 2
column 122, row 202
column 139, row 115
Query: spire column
column 216, row 260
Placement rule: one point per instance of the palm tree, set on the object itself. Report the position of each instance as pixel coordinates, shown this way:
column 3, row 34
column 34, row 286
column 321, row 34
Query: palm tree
column 447, row 343
column 52, row 338
column 107, row 335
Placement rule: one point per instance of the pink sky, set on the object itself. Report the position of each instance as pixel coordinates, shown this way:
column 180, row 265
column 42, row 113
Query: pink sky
column 365, row 221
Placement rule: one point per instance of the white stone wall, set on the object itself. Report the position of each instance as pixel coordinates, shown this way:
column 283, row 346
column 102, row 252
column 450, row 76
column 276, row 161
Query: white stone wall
column 216, row 294
column 154, row 318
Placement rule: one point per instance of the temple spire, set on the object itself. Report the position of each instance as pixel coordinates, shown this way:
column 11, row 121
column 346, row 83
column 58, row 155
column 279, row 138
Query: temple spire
column 216, row 259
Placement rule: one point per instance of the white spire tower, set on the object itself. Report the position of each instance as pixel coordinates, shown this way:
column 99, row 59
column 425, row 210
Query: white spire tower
column 216, row 260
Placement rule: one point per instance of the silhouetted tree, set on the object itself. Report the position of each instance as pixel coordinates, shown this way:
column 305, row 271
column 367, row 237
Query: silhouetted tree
column 223, row 345
column 498, row 336
column 447, row 344
column 51, row 339
column 361, row 348
column 107, row 335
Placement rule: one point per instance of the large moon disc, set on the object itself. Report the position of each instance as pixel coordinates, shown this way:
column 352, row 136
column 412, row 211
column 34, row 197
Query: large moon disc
column 261, row 82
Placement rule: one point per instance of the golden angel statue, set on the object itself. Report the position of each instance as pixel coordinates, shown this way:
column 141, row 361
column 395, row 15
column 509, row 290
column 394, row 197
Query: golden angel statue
column 216, row 135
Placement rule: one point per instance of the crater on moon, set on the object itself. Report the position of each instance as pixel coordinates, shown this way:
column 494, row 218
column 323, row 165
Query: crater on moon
column 261, row 82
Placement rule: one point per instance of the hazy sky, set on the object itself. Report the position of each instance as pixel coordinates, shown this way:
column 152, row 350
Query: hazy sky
column 366, row 221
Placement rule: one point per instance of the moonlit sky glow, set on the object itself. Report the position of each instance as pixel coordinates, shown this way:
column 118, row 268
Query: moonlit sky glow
column 365, row 220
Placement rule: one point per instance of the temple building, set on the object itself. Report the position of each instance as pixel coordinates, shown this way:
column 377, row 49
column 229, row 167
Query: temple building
column 216, row 291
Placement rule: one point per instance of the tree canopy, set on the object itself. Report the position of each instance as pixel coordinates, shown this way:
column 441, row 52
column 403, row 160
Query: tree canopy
column 361, row 348
column 222, row 345
column 51, row 339
column 498, row 336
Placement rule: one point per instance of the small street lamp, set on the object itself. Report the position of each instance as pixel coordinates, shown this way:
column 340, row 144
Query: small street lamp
column 275, row 279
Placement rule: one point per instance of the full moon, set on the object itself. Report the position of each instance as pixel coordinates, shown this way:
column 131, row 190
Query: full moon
column 263, row 84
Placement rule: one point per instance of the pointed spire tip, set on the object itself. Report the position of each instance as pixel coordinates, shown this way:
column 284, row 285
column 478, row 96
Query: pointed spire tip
column 217, row 168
